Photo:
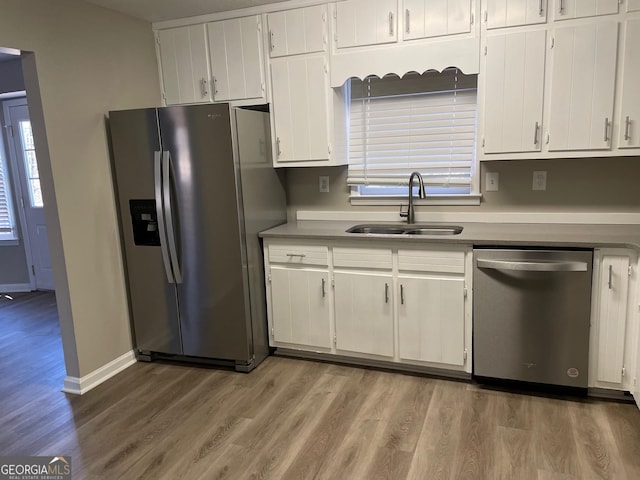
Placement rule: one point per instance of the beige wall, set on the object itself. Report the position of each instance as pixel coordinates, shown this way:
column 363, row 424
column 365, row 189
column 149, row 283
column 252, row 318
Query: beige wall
column 88, row 61
column 573, row 185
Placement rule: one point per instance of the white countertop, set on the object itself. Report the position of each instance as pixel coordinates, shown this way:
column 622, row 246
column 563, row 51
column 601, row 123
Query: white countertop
column 531, row 234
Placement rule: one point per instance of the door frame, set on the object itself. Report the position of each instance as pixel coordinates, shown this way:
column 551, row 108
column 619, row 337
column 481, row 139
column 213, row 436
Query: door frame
column 16, row 184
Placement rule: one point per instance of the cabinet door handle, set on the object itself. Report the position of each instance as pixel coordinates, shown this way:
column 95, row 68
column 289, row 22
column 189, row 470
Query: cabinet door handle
column 627, row 127
column 272, row 44
column 278, row 151
column 401, row 294
column 541, row 11
column 606, row 129
column 536, row 131
column 391, row 23
column 561, row 7
column 407, row 21
column 215, row 86
column 301, row 255
column 203, row 87
column 610, row 275
column 386, row 293
column 323, row 289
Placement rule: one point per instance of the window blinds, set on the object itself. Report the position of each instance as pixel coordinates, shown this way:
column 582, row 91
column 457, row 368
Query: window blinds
column 6, row 223
column 420, row 122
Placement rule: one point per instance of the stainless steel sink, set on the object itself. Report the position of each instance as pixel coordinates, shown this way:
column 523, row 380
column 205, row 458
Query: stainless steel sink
column 415, row 229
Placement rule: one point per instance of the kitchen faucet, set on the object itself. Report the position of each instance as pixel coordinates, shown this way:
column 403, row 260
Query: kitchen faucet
column 411, row 210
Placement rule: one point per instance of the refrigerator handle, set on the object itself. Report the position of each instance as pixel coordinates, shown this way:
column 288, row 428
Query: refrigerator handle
column 157, row 174
column 168, row 210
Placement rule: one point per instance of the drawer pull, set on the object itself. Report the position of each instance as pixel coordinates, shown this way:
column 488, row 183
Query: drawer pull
column 301, row 255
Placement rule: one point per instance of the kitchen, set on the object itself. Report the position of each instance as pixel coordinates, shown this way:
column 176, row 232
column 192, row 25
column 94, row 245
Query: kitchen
column 96, row 331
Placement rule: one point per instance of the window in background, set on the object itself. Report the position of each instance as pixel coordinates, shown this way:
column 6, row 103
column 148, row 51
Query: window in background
column 7, row 217
column 424, row 123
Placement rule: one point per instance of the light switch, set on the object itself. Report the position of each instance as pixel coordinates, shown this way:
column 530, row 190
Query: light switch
column 491, row 180
column 539, row 180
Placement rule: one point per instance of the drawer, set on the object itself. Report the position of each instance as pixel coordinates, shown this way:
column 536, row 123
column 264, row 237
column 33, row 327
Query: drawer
column 443, row 261
column 299, row 254
column 379, row 258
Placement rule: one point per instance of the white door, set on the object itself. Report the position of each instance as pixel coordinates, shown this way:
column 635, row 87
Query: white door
column 296, row 31
column 503, row 13
column 300, row 306
column 433, row 18
column 567, row 9
column 514, row 92
column 364, row 312
column 630, row 104
column 366, row 22
column 25, row 164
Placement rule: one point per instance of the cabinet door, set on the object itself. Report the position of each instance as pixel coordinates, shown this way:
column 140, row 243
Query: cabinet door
column 511, row 13
column 235, row 48
column 567, row 9
column 514, row 83
column 633, row 5
column 300, row 306
column 366, row 22
column 364, row 312
column 300, row 87
column 431, row 319
column 301, row 30
column 630, row 104
column 184, row 64
column 582, row 86
column 613, row 289
column 433, row 18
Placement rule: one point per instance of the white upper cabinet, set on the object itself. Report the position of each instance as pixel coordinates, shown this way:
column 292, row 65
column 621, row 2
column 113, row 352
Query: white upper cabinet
column 582, row 86
column 298, row 31
column 235, row 48
column 511, row 13
column 633, row 5
column 567, row 9
column 184, row 63
column 366, row 22
column 630, row 103
column 433, row 18
column 300, row 87
column 514, row 84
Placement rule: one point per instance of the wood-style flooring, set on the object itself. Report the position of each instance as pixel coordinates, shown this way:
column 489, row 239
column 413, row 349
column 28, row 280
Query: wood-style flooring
column 293, row 419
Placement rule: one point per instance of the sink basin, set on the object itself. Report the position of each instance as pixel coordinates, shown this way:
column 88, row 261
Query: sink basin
column 417, row 229
column 377, row 229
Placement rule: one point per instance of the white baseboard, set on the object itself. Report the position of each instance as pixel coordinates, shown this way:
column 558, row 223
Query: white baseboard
column 602, row 218
column 15, row 287
column 79, row 386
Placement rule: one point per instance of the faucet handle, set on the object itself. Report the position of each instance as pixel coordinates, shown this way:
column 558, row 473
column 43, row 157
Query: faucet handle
column 404, row 213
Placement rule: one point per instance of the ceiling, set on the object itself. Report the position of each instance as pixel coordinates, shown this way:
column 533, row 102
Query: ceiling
column 161, row 10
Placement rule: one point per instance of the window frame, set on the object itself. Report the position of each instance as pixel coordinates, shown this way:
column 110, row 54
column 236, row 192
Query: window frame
column 8, row 238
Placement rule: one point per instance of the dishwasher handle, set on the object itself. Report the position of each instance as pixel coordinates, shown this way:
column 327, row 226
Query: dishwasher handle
column 533, row 266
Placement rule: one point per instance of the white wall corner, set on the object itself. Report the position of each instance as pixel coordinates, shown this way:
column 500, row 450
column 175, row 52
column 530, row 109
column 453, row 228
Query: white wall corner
column 80, row 386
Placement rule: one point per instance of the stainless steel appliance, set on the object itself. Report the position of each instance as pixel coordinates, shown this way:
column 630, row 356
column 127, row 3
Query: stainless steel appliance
column 531, row 311
column 195, row 185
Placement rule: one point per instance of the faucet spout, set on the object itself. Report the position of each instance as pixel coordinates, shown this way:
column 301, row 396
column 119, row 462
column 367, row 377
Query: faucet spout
column 411, row 209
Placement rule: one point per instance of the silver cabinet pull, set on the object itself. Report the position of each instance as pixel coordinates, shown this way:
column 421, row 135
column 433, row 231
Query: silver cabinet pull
column 203, row 87
column 278, row 151
column 541, row 12
column 323, row 290
column 407, row 21
column 386, row 293
column 536, row 131
column 610, row 275
column 215, row 86
column 272, row 44
column 391, row 23
column 301, row 255
column 401, row 294
column 606, row 129
column 627, row 127
column 561, row 7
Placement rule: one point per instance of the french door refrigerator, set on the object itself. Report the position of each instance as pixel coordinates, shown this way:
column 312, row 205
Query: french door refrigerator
column 195, row 185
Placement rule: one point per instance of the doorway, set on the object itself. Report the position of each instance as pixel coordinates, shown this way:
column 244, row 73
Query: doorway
column 26, row 182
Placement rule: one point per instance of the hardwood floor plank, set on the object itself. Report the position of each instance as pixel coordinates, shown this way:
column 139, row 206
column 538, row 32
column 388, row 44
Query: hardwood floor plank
column 624, row 422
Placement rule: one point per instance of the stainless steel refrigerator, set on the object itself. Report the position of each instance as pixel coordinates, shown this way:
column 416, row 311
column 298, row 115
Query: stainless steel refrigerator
column 195, row 185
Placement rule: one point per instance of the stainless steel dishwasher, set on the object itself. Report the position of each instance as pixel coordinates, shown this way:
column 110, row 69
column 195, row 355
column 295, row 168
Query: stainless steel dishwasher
column 531, row 315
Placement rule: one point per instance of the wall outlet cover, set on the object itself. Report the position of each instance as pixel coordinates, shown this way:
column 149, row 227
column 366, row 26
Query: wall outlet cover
column 323, row 182
column 539, row 180
column 491, row 182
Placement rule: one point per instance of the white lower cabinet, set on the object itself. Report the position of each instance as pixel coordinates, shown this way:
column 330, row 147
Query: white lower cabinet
column 394, row 303
column 300, row 306
column 613, row 349
column 364, row 312
column 431, row 319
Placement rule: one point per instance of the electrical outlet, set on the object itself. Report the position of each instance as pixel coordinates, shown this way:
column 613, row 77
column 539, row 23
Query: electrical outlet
column 323, row 183
column 539, row 180
column 491, row 182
